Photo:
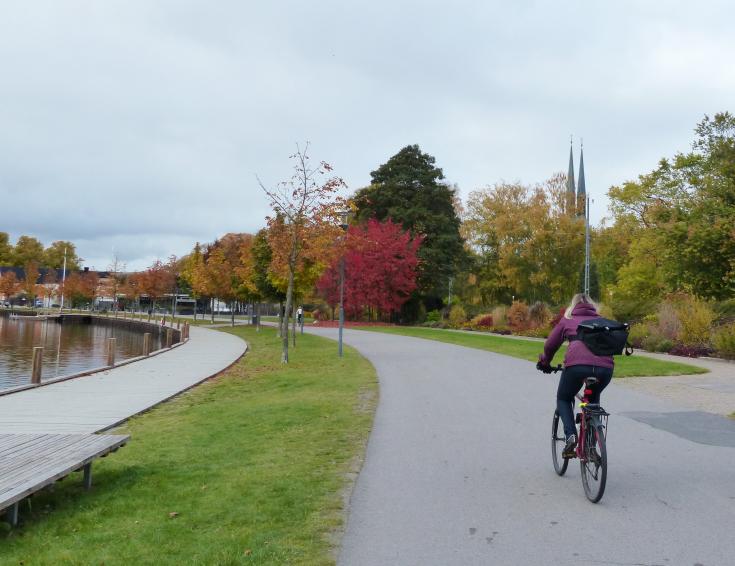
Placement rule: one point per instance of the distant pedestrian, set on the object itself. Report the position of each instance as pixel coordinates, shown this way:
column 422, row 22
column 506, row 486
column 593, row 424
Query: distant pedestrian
column 300, row 315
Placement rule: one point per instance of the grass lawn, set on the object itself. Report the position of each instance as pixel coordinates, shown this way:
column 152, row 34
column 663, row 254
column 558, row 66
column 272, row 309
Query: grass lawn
column 249, row 468
column 632, row 366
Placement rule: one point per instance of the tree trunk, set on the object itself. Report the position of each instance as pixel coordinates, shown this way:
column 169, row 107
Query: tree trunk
column 232, row 313
column 257, row 314
column 287, row 310
column 293, row 323
column 211, row 308
column 280, row 318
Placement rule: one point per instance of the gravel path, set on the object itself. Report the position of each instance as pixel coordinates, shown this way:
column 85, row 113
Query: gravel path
column 458, row 470
column 713, row 392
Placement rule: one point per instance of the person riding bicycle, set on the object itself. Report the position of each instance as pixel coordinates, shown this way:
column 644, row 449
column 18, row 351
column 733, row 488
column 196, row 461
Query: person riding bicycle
column 579, row 363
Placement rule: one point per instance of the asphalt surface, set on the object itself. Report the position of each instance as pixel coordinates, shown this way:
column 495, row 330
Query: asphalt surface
column 458, row 470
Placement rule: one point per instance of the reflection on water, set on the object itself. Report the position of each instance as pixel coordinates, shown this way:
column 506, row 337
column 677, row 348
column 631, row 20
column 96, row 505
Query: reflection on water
column 68, row 348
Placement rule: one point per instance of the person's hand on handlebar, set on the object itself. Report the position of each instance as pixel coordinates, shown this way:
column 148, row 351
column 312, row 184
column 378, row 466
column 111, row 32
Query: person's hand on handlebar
column 546, row 368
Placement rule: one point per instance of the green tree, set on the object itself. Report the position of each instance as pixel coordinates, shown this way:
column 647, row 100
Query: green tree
column 262, row 258
column 53, row 256
column 27, row 249
column 409, row 189
column 528, row 245
column 688, row 203
column 6, row 250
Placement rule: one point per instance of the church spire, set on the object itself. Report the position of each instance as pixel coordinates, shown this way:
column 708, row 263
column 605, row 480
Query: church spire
column 571, row 198
column 581, row 188
column 570, row 173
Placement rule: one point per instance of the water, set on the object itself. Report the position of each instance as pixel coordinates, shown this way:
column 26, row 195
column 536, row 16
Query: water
column 72, row 347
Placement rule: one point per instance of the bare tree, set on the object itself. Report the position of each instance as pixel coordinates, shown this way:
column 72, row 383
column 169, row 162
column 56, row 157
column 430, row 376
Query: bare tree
column 304, row 225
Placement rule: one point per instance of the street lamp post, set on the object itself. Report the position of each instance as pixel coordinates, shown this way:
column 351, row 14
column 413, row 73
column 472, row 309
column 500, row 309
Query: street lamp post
column 344, row 225
column 587, row 246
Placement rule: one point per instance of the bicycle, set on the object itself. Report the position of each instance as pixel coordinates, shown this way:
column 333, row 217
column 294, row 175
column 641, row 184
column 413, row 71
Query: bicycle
column 591, row 446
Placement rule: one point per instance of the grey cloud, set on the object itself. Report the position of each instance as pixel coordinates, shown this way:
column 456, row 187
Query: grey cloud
column 141, row 125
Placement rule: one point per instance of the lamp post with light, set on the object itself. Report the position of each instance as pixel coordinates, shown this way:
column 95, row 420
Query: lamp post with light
column 343, row 217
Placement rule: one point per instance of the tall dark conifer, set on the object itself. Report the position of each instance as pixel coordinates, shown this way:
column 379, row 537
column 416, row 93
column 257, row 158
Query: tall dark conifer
column 410, row 190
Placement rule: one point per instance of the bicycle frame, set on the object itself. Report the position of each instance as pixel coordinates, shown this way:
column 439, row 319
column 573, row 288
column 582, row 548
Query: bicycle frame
column 586, row 418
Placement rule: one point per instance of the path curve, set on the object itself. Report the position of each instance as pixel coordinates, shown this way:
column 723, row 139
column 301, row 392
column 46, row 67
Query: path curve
column 458, row 470
column 100, row 401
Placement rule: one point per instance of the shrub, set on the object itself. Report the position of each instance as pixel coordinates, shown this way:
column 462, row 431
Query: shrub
column 504, row 330
column 654, row 342
column 540, row 332
column 690, row 351
column 696, row 318
column 605, row 311
column 724, row 341
column 500, row 315
column 518, row 315
column 457, row 316
column 669, row 324
column 433, row 316
column 421, row 313
column 726, row 309
column 638, row 333
column 538, row 314
column 482, row 321
column 554, row 321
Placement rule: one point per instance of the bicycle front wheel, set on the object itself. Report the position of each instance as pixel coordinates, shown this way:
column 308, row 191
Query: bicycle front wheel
column 594, row 462
column 557, row 445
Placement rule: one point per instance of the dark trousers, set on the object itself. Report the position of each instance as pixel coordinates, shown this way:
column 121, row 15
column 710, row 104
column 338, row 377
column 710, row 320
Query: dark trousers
column 571, row 381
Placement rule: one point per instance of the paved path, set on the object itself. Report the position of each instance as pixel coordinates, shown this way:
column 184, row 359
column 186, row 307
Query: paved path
column 458, row 470
column 99, row 401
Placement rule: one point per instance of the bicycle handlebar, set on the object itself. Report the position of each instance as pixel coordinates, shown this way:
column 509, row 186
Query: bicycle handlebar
column 549, row 368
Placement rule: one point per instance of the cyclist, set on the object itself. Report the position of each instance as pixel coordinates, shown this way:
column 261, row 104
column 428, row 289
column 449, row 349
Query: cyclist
column 579, row 363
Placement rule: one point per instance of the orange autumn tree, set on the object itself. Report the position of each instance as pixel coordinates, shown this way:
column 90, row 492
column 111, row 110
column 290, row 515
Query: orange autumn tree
column 81, row 287
column 305, row 223
column 8, row 285
column 31, row 280
column 158, row 280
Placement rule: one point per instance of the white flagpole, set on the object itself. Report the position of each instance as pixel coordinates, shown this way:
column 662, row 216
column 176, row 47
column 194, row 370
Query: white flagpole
column 63, row 280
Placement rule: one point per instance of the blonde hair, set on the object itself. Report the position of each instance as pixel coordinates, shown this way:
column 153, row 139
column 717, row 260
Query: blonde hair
column 576, row 299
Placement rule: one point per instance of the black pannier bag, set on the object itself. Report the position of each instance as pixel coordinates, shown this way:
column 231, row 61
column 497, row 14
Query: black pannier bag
column 604, row 337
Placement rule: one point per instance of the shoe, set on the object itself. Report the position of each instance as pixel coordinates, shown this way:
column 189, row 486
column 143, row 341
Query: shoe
column 569, row 447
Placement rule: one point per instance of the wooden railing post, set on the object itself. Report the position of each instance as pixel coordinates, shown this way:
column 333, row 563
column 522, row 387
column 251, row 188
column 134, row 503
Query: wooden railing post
column 147, row 344
column 169, row 337
column 37, row 366
column 111, row 342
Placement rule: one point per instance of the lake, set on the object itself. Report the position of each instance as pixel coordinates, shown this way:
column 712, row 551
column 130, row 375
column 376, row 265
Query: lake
column 74, row 346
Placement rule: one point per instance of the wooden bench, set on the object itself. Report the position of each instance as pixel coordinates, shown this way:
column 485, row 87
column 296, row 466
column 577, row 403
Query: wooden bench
column 30, row 462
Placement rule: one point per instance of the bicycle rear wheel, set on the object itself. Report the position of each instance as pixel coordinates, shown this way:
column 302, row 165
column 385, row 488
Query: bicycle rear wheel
column 557, row 445
column 594, row 462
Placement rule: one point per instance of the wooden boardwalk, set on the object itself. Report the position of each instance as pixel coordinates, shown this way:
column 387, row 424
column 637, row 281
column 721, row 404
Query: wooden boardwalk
column 30, row 462
column 100, row 401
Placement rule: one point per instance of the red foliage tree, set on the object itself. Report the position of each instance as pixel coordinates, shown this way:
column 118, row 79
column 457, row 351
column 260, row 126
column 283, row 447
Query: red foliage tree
column 381, row 264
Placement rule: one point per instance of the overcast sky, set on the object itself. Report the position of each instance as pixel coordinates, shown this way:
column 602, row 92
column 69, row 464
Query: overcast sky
column 139, row 126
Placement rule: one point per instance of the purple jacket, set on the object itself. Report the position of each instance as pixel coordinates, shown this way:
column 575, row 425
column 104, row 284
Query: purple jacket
column 577, row 354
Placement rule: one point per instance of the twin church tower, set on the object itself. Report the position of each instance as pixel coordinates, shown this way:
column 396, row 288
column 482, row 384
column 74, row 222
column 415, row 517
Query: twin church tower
column 576, row 196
